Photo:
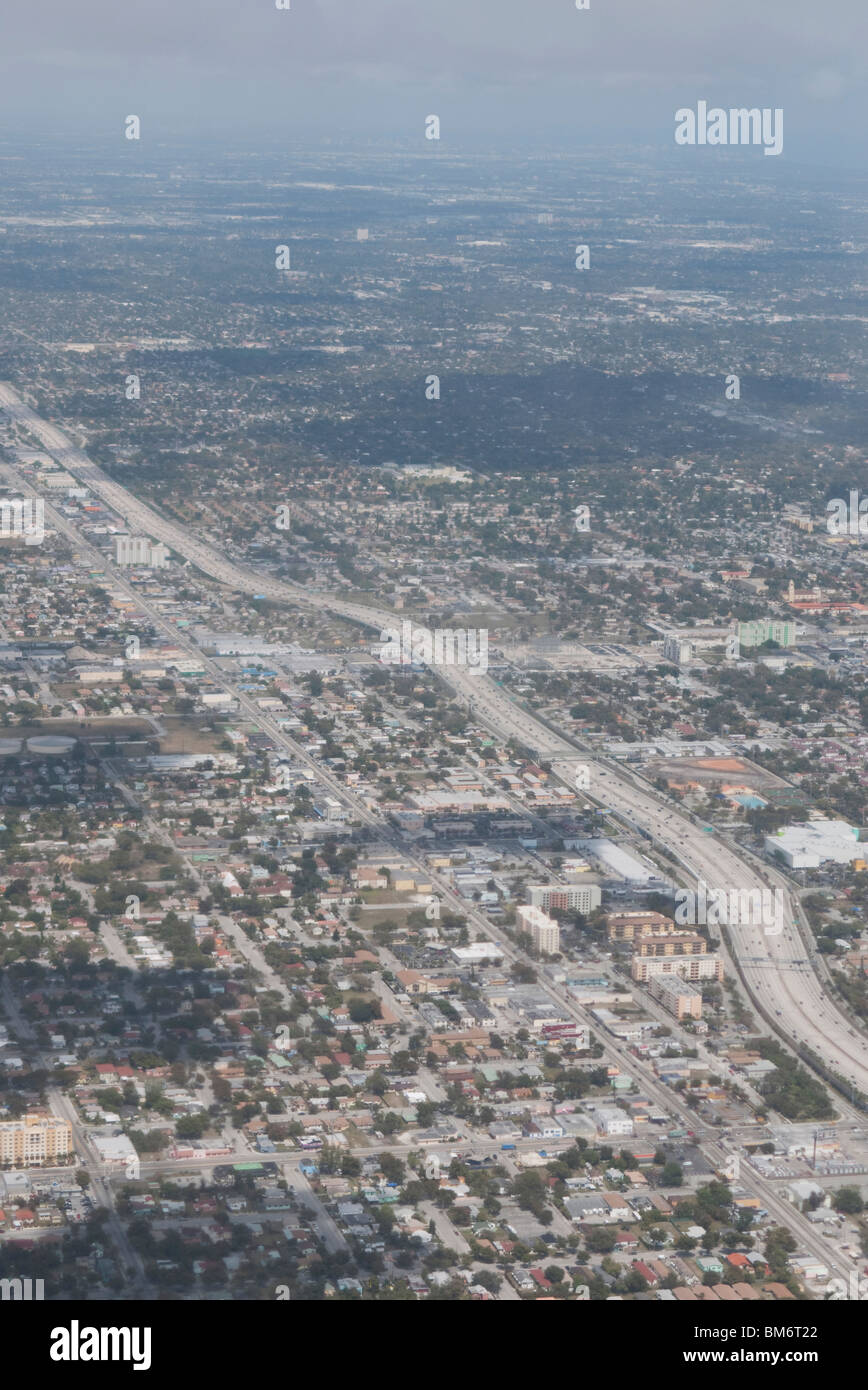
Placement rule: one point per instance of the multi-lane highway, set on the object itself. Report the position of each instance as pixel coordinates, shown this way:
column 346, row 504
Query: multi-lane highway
column 776, row 969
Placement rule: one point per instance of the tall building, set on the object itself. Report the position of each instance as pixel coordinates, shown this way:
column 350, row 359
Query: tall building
column 139, row 551
column 682, row 1000
column 572, row 897
column 760, row 630
column 544, row 930
column 701, row 967
column 677, row 649
column 33, row 1140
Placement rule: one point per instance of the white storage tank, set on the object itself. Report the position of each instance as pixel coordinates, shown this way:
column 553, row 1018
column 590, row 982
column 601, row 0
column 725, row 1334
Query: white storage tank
column 50, row 745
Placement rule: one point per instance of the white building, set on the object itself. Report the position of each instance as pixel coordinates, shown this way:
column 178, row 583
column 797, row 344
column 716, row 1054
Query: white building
column 610, row 1120
column 115, row 1150
column 542, row 929
column 568, row 897
column 677, row 649
column 477, row 954
column 139, row 551
column 816, row 842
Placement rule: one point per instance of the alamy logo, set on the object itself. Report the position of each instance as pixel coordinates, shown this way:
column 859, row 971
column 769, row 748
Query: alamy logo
column 734, row 907
column 847, row 518
column 75, row 1343
column 23, row 518
column 442, row 647
column 22, row 1290
column 738, row 126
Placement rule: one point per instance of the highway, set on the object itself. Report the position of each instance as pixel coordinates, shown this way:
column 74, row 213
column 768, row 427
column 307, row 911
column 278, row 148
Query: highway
column 771, row 965
column 790, row 992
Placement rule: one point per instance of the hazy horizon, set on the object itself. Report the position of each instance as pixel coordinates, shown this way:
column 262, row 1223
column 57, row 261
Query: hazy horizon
column 504, row 73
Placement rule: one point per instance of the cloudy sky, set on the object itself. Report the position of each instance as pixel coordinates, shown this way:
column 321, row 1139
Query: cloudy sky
column 515, row 72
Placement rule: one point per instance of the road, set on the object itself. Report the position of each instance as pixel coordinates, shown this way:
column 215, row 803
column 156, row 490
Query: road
column 100, row 1190
column 791, row 992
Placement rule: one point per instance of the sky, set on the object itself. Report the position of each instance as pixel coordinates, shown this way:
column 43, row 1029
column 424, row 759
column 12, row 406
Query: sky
column 506, row 73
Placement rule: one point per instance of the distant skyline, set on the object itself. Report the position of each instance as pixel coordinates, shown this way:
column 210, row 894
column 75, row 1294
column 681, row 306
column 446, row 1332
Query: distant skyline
column 511, row 73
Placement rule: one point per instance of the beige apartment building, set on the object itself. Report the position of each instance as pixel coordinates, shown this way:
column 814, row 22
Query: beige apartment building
column 33, row 1140
column 542, row 929
column 627, row 926
column 680, row 943
column 681, row 999
column 703, row 967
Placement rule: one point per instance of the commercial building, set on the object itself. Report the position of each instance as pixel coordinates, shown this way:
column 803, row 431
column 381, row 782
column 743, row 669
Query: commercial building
column 611, row 1120
column 566, row 897
column 816, row 842
column 477, row 954
column 115, row 1150
column 542, row 929
column 33, row 1140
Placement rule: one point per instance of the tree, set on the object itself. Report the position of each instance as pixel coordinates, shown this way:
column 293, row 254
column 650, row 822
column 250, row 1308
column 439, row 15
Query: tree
column 599, row 1241
column 848, row 1201
column 363, row 1010
column 392, row 1168
column 191, row 1126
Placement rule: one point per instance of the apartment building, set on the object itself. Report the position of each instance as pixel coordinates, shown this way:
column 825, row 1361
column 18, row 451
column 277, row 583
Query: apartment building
column 671, row 944
column 679, row 998
column 542, row 929
column 139, row 551
column 759, row 630
column 565, row 897
column 703, row 967
column 626, row 926
column 33, row 1140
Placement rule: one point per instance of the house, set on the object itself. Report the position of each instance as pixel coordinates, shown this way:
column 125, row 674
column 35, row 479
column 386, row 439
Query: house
column 738, row 1260
column 646, row 1272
